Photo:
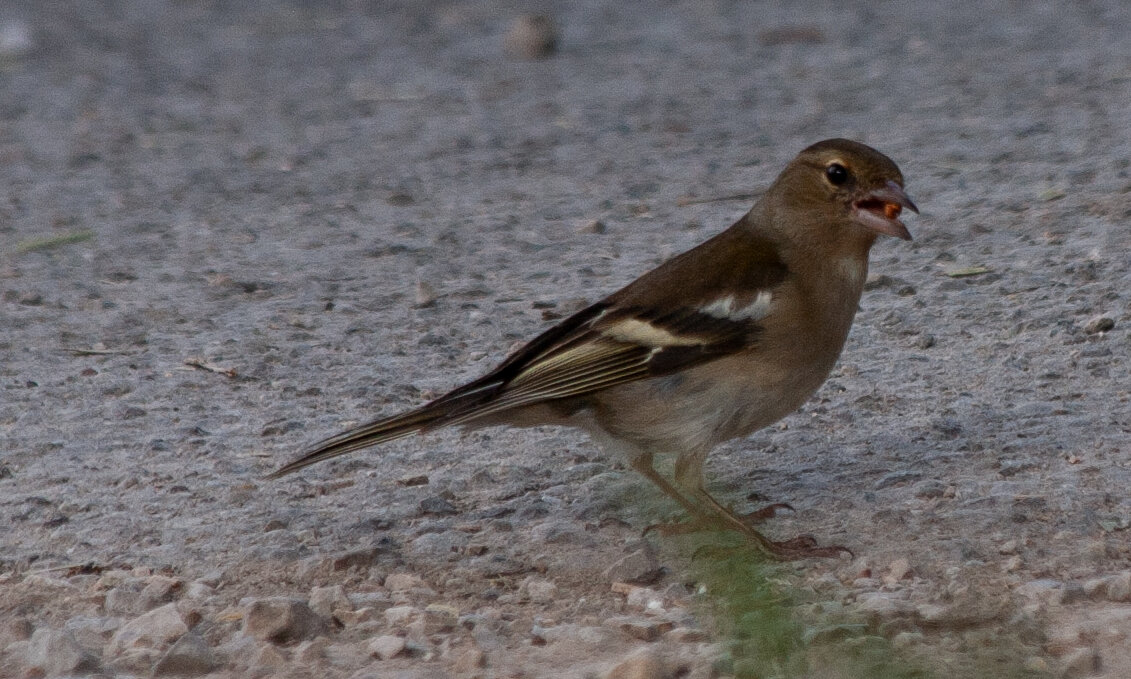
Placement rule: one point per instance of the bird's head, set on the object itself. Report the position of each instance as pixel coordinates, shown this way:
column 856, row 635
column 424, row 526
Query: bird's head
column 849, row 185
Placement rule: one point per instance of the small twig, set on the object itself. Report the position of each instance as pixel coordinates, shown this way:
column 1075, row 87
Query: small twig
column 200, row 364
column 79, row 351
column 691, row 200
column 53, row 241
column 77, row 568
column 968, row 271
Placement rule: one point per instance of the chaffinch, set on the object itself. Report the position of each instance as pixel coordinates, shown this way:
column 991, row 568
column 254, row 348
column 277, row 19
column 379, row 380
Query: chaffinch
column 714, row 344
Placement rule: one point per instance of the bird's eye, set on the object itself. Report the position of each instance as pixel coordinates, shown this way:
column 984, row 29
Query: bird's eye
column 836, row 173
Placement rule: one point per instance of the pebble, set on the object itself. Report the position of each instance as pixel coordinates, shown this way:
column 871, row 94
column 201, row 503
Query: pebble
column 686, row 635
column 1119, row 587
column 190, row 613
column 898, row 570
column 644, row 629
column 152, row 630
column 531, row 36
column 583, row 634
column 1071, row 593
column 380, row 600
column 403, row 582
column 190, row 656
column 560, row 532
column 268, row 657
column 906, row 639
column 445, row 545
column 424, row 297
column 400, row 615
column 327, row 601
column 124, row 600
column 15, row 632
column 437, row 506
column 414, row 480
column 311, row 651
column 356, row 558
column 199, row 590
column 643, row 664
column 539, row 591
column 92, row 632
column 469, row 662
column 645, row 598
column 1096, row 588
column 1036, row 664
column 929, row 488
column 236, row 651
column 347, row 655
column 386, row 646
column 281, row 620
column 15, row 39
column 441, row 617
column 1081, row 662
column 136, row 661
column 639, row 566
column 160, row 589
column 592, row 226
column 56, row 653
column 1109, row 626
column 1099, row 324
column 1042, row 592
column 880, row 605
column 1109, row 587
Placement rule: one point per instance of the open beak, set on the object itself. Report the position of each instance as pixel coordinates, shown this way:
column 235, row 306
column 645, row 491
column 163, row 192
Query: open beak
column 879, row 210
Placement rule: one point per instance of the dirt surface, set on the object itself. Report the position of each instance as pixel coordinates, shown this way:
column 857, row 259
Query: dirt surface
column 230, row 229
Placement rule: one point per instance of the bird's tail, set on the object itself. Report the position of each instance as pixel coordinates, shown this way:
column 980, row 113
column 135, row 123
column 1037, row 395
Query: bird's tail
column 370, row 434
column 459, row 406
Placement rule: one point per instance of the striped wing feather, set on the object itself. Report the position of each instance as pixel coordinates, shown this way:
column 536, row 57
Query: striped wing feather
column 595, row 349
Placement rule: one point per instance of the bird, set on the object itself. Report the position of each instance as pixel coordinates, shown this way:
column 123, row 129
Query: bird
column 712, row 345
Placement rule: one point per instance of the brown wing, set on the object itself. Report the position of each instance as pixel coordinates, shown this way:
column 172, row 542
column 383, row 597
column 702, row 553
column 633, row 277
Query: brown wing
column 595, row 349
column 670, row 319
column 601, row 349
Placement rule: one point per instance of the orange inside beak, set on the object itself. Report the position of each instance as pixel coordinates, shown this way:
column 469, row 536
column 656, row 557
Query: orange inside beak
column 892, row 210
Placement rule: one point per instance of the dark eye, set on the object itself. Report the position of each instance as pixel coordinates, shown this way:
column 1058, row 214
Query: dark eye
column 837, row 174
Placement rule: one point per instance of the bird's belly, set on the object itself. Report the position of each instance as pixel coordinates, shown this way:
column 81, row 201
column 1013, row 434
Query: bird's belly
column 702, row 407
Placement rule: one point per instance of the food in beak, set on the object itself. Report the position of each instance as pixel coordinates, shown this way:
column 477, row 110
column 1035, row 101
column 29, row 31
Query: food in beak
column 879, row 210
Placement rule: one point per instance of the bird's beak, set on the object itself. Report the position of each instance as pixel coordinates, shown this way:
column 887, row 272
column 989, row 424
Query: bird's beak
column 879, row 210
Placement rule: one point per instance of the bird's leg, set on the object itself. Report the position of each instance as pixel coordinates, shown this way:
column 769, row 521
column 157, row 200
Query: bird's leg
column 689, row 474
column 700, row 520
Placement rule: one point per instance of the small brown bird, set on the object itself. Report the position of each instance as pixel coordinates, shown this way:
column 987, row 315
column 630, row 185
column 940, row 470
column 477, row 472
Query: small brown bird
column 714, row 344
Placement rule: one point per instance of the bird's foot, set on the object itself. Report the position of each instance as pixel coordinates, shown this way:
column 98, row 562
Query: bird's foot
column 802, row 547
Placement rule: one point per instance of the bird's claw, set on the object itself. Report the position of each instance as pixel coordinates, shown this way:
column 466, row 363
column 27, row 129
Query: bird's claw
column 767, row 512
column 805, row 547
column 800, row 547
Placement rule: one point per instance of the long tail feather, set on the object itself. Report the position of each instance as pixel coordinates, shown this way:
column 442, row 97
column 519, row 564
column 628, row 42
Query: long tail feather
column 371, row 434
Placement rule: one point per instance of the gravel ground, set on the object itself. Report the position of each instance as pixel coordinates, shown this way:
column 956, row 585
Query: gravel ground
column 229, row 229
